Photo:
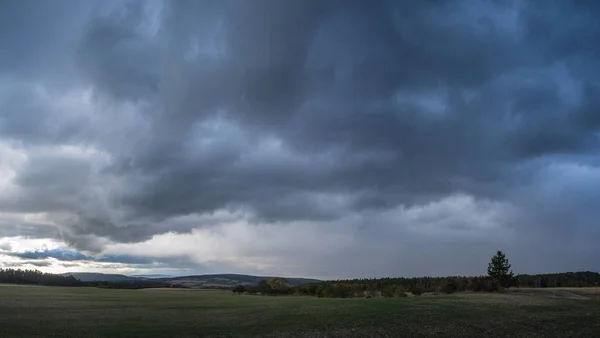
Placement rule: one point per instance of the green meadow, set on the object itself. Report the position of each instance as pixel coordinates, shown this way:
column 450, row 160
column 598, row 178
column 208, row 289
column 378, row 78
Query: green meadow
column 38, row 311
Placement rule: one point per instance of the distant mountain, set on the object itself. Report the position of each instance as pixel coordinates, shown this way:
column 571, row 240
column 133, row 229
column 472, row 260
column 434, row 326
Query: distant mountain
column 99, row 277
column 227, row 280
column 151, row 276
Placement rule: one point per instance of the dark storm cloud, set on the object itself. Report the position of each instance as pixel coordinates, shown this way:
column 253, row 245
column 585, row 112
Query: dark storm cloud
column 10, row 229
column 66, row 255
column 37, row 39
column 60, row 254
column 295, row 110
column 330, row 90
column 38, row 263
column 20, row 264
column 32, row 119
column 113, row 57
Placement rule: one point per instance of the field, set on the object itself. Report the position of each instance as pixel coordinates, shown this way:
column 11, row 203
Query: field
column 572, row 293
column 35, row 311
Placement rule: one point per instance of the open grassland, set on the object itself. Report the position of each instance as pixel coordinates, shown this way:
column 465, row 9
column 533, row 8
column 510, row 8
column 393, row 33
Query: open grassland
column 572, row 293
column 89, row 312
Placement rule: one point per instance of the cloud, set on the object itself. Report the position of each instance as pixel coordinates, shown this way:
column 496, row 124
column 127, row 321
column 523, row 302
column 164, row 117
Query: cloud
column 38, row 263
column 128, row 259
column 363, row 127
column 66, row 255
column 60, row 254
column 362, row 244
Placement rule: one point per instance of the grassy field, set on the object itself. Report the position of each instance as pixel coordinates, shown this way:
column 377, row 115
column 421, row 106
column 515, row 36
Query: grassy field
column 87, row 312
column 572, row 293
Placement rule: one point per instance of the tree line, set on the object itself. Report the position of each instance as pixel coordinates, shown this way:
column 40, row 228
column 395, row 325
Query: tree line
column 130, row 284
column 18, row 276
column 499, row 276
column 559, row 280
column 401, row 287
column 375, row 287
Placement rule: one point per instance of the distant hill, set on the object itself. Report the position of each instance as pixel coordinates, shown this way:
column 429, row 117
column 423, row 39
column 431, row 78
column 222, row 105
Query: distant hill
column 100, row 277
column 151, row 276
column 195, row 281
column 226, row 280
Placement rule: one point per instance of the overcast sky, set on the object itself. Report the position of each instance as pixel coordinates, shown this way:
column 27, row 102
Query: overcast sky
column 301, row 138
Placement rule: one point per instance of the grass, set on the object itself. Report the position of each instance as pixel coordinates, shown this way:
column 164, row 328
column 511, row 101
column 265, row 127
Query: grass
column 88, row 312
column 573, row 293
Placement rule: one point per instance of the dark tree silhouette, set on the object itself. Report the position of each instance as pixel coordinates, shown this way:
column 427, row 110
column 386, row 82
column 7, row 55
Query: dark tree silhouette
column 499, row 269
column 18, row 276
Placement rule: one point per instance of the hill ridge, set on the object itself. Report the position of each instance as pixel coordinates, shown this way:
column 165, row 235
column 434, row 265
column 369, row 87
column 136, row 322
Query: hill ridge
column 192, row 281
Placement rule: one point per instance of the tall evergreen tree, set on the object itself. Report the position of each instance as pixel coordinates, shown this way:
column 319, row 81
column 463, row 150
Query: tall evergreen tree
column 499, row 269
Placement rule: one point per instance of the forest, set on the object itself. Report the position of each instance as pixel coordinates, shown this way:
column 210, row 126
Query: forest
column 18, row 276
column 365, row 287
column 398, row 287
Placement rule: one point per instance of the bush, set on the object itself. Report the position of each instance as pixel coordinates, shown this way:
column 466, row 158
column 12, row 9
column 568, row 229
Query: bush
column 320, row 293
column 341, row 291
column 389, row 291
column 312, row 289
column 400, row 291
column 485, row 284
column 491, row 285
column 416, row 290
column 238, row 289
column 449, row 287
column 325, row 291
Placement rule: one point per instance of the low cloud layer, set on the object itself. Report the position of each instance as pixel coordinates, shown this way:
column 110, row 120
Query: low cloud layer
column 61, row 255
column 314, row 138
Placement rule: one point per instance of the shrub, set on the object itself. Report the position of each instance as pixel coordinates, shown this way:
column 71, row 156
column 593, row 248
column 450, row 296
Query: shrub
column 238, row 289
column 491, row 285
column 325, row 291
column 389, row 291
column 449, row 287
column 416, row 290
column 400, row 291
column 320, row 291
column 486, row 284
column 341, row 291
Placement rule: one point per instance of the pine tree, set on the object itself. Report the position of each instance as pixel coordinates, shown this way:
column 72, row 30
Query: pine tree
column 499, row 269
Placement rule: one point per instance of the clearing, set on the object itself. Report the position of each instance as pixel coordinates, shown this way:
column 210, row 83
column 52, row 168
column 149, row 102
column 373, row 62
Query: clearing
column 572, row 293
column 90, row 312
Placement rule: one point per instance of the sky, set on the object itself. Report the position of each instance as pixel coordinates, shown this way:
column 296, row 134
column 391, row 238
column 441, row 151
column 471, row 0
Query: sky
column 313, row 138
